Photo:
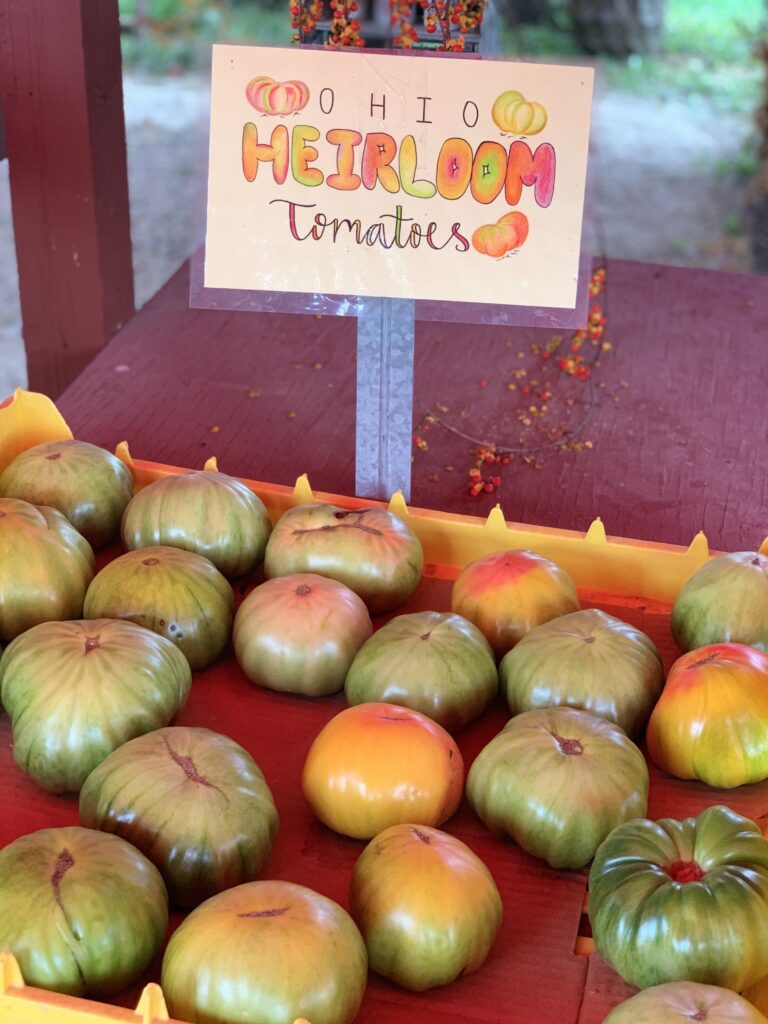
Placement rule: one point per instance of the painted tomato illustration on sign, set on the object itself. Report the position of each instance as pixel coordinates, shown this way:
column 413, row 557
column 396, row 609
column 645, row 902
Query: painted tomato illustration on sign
column 273, row 98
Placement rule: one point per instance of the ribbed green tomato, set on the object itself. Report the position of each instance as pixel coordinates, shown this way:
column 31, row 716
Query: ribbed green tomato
column 193, row 801
column 437, row 663
column 509, row 592
column 371, row 550
column 87, row 484
column 681, row 1002
column 45, row 567
column 206, row 512
column 427, row 906
column 178, row 594
column 299, row 633
column 683, row 900
column 711, row 721
column 82, row 912
column 266, row 953
column 726, row 601
column 586, row 660
column 75, row 691
column 558, row 780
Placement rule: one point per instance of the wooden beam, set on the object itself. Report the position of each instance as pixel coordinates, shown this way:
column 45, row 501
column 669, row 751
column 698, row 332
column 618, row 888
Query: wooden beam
column 61, row 85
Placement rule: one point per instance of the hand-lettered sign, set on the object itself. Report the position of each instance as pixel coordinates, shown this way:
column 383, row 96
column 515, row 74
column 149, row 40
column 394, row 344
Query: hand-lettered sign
column 402, row 176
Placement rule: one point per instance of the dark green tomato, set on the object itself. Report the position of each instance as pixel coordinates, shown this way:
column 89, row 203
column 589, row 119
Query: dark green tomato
column 180, row 595
column 586, row 660
column 370, row 550
column 207, row 512
column 557, row 780
column 193, row 801
column 726, row 601
column 45, row 567
column 82, row 912
column 266, row 953
column 75, row 691
column 87, row 484
column 437, row 663
column 683, row 900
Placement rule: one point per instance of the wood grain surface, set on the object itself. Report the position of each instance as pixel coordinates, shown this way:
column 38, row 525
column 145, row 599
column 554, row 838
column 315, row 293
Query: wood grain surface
column 677, row 427
column 61, row 85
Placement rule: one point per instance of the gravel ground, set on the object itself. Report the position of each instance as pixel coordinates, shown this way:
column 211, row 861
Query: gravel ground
column 658, row 194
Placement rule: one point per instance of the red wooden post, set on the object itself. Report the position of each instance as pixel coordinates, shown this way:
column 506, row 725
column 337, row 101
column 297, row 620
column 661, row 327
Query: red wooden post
column 61, row 83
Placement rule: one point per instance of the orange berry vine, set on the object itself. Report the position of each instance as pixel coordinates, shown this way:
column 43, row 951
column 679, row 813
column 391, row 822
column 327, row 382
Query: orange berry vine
column 449, row 22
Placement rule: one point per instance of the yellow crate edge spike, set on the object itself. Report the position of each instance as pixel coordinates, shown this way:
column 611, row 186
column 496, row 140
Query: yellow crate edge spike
column 27, row 419
column 151, row 1007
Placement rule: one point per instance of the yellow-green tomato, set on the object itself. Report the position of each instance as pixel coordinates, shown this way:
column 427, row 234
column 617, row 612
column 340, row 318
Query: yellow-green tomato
column 681, row 1002
column 427, row 906
column 205, row 511
column 266, row 953
column 82, row 912
column 557, row 781
column 437, row 663
column 300, row 633
column 87, row 484
column 587, row 660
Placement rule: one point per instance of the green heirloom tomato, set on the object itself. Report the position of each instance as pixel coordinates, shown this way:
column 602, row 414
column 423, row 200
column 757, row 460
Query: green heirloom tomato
column 180, row 595
column 681, row 1002
column 82, row 912
column 726, row 601
column 88, row 484
column 437, row 663
column 427, row 906
column 193, row 801
column 299, row 633
column 266, row 953
column 207, row 512
column 557, row 780
column 45, row 567
column 76, row 690
column 370, row 550
column 683, row 900
column 586, row 660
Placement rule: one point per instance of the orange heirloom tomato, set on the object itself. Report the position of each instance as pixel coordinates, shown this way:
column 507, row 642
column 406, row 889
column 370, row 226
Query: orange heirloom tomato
column 711, row 721
column 376, row 765
column 509, row 592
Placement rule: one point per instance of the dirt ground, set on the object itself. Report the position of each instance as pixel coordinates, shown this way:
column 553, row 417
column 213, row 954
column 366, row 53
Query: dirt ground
column 660, row 190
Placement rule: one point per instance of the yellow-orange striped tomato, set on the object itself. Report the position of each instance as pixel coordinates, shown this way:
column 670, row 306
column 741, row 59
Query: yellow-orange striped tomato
column 711, row 721
column 427, row 906
column 376, row 765
column 509, row 592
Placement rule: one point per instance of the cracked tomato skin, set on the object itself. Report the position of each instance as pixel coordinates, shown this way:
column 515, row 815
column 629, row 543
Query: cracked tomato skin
column 683, row 900
column 711, row 721
column 681, row 1002
column 376, row 765
column 509, row 592
column 427, row 906
column 268, row 953
column 193, row 801
column 82, row 912
column 370, row 550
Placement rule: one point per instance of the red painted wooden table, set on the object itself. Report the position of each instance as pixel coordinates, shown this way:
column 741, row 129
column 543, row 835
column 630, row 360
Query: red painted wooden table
column 674, row 441
column 676, row 409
